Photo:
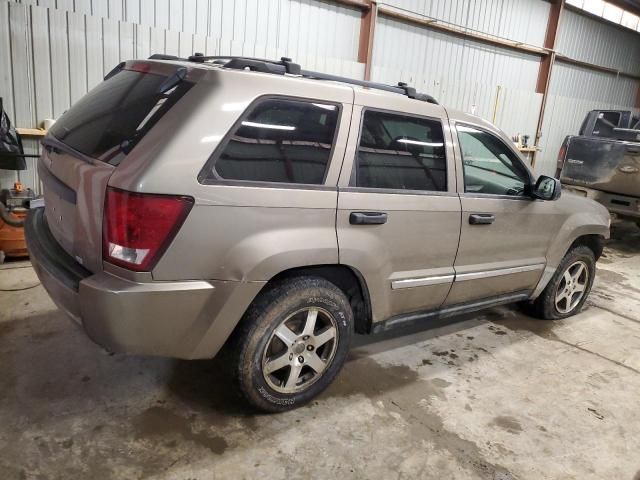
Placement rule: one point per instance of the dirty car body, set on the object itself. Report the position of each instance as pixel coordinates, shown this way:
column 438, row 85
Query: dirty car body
column 454, row 226
column 603, row 161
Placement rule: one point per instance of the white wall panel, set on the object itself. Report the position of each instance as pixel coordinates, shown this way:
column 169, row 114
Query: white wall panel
column 110, row 45
column 95, row 53
column 521, row 20
column 292, row 27
column 116, row 10
column 59, row 63
column 99, row 8
column 77, row 57
column 460, row 73
column 6, row 71
column 585, row 38
column 22, row 76
column 43, row 103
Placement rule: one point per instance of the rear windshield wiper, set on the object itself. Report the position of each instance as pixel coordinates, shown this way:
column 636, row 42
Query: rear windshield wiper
column 173, row 80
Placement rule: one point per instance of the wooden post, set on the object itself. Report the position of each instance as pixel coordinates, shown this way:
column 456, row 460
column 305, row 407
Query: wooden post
column 367, row 30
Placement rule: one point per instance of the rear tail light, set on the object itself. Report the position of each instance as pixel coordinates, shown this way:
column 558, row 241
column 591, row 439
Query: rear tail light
column 562, row 152
column 138, row 227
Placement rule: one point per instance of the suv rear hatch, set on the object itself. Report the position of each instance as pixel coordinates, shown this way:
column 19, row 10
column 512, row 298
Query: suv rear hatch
column 602, row 164
column 89, row 141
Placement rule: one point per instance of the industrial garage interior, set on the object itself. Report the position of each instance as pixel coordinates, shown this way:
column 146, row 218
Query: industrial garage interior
column 455, row 393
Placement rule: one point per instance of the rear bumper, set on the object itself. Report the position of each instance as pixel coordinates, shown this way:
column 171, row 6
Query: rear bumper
column 622, row 205
column 187, row 319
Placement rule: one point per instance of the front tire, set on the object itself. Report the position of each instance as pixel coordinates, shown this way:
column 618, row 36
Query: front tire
column 292, row 342
column 568, row 289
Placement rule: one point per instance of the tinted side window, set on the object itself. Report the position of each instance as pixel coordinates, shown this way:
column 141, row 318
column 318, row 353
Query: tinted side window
column 489, row 165
column 401, row 152
column 285, row 141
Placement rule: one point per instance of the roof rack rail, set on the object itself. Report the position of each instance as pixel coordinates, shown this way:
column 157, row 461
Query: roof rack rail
column 162, row 56
column 402, row 88
column 286, row 65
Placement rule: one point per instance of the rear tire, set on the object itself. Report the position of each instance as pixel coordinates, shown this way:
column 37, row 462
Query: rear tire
column 568, row 289
column 291, row 343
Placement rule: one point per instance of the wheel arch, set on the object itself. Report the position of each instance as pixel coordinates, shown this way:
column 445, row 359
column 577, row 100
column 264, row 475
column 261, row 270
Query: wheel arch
column 586, row 237
column 347, row 279
column 593, row 241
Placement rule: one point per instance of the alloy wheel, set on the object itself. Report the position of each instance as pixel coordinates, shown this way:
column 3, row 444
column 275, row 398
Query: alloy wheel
column 572, row 287
column 299, row 350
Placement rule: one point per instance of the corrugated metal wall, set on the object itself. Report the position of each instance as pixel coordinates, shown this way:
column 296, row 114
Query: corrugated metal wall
column 297, row 27
column 591, row 40
column 52, row 52
column 575, row 90
column 521, row 20
column 460, row 73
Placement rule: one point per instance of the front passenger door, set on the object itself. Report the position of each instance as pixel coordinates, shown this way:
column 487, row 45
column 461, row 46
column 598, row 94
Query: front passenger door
column 505, row 233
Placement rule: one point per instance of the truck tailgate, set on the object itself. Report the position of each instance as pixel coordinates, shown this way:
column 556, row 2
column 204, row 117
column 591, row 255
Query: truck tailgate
column 603, row 164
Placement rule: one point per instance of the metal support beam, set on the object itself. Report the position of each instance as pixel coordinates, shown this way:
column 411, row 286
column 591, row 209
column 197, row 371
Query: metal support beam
column 361, row 4
column 367, row 30
column 595, row 67
column 461, row 32
column 546, row 67
column 549, row 42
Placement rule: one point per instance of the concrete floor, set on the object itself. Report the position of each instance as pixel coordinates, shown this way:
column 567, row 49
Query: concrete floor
column 491, row 396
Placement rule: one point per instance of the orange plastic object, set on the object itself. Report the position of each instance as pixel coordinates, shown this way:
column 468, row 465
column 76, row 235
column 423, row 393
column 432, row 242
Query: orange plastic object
column 18, row 187
column 12, row 238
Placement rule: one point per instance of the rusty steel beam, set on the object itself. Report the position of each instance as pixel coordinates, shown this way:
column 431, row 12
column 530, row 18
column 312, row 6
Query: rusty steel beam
column 549, row 42
column 367, row 30
column 597, row 68
column 461, row 32
column 546, row 67
column 361, row 4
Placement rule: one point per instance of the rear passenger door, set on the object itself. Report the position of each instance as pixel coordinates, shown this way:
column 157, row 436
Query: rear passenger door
column 398, row 219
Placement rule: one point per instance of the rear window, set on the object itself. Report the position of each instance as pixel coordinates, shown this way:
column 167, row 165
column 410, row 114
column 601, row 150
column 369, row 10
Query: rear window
column 113, row 117
column 279, row 140
column 605, row 123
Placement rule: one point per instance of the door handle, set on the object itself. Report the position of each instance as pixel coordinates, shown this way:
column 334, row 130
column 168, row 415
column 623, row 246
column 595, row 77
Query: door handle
column 482, row 218
column 367, row 218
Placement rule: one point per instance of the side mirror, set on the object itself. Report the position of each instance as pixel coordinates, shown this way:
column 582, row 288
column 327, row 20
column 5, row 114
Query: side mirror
column 547, row 188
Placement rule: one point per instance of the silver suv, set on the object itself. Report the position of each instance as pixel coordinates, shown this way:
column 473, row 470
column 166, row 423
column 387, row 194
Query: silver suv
column 201, row 202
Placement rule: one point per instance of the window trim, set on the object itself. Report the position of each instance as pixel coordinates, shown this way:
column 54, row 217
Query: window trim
column 210, row 164
column 354, row 169
column 517, row 156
